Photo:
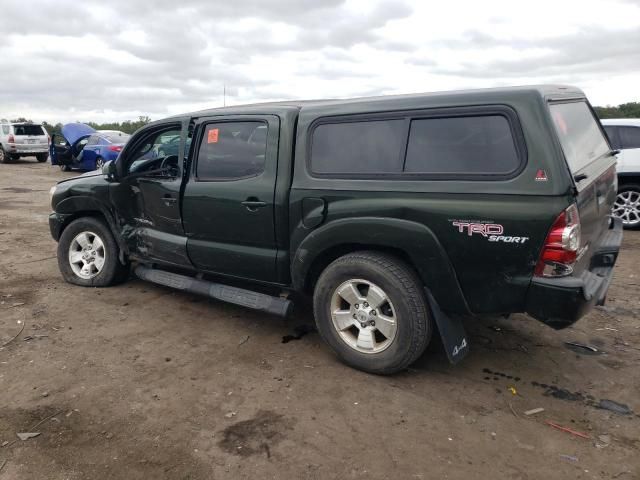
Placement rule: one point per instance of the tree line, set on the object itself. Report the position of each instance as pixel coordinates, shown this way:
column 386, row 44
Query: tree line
column 624, row 110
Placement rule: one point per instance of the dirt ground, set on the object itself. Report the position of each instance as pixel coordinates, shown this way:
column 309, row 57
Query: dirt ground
column 141, row 382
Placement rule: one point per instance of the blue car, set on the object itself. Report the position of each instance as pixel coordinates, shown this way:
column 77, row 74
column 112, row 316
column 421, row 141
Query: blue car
column 85, row 148
column 103, row 147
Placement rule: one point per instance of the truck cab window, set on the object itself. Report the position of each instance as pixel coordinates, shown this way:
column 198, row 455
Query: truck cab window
column 158, row 151
column 232, row 150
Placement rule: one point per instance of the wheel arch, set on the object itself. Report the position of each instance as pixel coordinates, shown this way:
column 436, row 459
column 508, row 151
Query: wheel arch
column 412, row 242
column 75, row 207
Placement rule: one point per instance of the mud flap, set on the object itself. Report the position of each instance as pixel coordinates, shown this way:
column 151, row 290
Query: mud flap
column 454, row 337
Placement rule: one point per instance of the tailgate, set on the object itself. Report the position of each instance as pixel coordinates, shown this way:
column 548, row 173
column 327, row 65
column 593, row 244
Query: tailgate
column 592, row 165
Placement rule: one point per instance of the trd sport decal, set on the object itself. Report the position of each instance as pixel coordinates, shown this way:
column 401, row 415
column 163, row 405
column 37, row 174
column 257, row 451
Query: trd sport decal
column 493, row 232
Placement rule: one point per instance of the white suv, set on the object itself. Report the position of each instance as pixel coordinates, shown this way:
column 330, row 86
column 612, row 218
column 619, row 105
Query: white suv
column 23, row 140
column 624, row 135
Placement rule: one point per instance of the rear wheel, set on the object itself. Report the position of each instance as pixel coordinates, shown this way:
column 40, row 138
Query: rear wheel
column 370, row 308
column 88, row 254
column 41, row 157
column 627, row 206
column 7, row 157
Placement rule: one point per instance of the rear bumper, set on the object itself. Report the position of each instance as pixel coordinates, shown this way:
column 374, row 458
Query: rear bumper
column 25, row 149
column 560, row 302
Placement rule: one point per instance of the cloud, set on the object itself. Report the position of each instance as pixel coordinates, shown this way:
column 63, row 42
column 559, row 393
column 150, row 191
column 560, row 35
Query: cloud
column 93, row 60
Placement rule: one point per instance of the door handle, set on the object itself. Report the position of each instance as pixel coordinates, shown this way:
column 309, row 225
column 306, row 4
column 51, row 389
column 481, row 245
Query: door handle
column 252, row 204
column 169, row 200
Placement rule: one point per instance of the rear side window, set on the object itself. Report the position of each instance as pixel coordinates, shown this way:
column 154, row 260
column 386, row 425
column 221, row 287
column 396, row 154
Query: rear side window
column 456, row 146
column 579, row 132
column 28, row 130
column 461, row 145
column 366, row 147
column 6, row 129
column 232, row 150
column 629, row 137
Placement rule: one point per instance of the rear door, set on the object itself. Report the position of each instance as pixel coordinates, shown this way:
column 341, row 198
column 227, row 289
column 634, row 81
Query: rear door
column 629, row 158
column 591, row 163
column 89, row 152
column 228, row 205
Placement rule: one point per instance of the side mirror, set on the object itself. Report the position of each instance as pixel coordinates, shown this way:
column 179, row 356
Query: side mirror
column 109, row 170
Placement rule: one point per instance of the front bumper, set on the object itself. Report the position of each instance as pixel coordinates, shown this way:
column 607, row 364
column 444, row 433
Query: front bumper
column 56, row 223
column 560, row 302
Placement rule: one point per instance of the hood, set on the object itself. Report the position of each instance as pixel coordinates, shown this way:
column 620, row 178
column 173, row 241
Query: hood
column 72, row 132
column 94, row 173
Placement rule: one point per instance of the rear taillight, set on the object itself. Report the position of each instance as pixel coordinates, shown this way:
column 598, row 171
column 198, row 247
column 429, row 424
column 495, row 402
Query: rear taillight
column 11, row 139
column 560, row 249
column 115, row 148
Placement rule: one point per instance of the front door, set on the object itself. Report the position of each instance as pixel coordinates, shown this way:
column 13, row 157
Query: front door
column 228, row 205
column 148, row 196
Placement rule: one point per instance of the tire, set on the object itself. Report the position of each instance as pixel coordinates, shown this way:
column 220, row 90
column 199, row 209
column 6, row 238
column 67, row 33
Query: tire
column 99, row 243
column 399, row 328
column 99, row 163
column 42, row 157
column 4, row 156
column 64, row 168
column 627, row 206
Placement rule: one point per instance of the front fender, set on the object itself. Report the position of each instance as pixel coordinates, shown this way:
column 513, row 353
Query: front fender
column 414, row 239
column 76, row 206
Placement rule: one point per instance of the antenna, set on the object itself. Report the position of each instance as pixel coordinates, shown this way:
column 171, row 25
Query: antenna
column 224, row 95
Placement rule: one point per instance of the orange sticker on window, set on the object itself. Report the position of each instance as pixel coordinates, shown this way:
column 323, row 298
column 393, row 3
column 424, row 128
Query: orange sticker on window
column 212, row 136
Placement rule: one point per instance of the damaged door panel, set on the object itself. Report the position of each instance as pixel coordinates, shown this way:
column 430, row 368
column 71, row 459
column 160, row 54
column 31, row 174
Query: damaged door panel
column 148, row 197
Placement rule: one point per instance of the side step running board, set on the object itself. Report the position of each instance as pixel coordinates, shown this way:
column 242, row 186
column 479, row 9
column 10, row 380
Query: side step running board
column 225, row 293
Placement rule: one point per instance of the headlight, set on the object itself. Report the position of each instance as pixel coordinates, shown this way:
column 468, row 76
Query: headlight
column 52, row 192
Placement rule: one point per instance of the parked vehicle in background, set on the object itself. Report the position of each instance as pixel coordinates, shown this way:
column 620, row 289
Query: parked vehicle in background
column 102, row 147
column 84, row 148
column 23, row 140
column 624, row 135
column 114, row 132
column 65, row 152
column 396, row 213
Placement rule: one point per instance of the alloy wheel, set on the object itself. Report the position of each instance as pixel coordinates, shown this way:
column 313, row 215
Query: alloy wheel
column 87, row 255
column 627, row 207
column 363, row 316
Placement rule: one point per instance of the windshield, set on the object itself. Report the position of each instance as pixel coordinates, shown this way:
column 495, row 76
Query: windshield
column 28, row 130
column 581, row 138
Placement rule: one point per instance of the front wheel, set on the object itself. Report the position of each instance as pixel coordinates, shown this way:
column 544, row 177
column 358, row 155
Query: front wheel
column 64, row 168
column 88, row 254
column 99, row 163
column 627, row 206
column 371, row 310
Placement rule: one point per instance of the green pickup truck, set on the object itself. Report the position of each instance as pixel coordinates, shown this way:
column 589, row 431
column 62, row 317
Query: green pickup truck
column 400, row 215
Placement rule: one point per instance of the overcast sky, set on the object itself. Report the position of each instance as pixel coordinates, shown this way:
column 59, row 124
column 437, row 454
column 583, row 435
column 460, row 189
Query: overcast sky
column 67, row 60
